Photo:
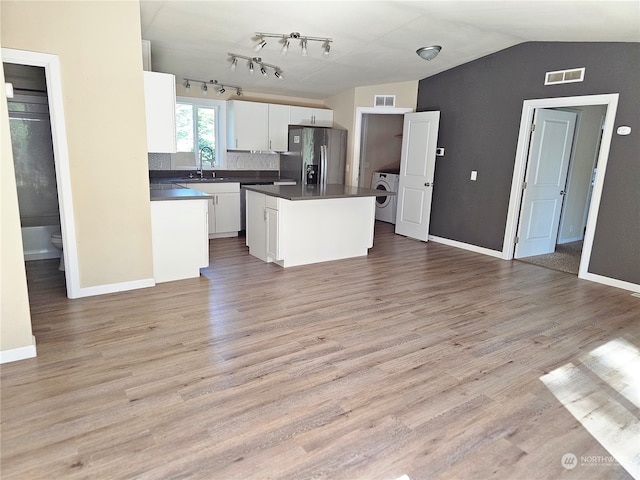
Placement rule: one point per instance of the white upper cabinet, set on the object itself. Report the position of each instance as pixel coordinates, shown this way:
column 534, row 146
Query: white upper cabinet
column 160, row 107
column 278, row 127
column 247, row 125
column 318, row 117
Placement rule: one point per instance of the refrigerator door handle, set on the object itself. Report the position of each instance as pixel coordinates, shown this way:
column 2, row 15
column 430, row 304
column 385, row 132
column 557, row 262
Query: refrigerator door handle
column 323, row 154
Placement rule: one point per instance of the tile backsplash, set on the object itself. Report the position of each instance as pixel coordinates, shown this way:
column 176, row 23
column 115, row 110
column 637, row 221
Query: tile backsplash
column 235, row 161
column 252, row 161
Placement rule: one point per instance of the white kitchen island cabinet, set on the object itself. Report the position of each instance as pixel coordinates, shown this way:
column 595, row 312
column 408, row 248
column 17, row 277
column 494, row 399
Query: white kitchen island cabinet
column 305, row 224
column 179, row 233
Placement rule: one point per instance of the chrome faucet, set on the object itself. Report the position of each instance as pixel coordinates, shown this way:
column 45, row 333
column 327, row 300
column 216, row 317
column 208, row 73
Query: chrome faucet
column 209, row 150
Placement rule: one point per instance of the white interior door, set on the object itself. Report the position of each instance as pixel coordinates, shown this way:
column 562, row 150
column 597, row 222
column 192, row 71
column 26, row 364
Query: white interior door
column 417, row 167
column 545, row 181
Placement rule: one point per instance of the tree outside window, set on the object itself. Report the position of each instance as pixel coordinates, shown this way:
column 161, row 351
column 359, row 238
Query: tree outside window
column 196, row 129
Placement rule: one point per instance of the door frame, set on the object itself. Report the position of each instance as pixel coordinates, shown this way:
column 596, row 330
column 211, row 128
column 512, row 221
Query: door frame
column 522, row 151
column 357, row 134
column 51, row 64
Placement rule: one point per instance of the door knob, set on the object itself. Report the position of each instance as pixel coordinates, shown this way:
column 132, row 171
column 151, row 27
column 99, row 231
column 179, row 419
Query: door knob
column 427, row 184
column 562, row 192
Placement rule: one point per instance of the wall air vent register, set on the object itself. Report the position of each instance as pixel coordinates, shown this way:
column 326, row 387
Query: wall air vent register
column 384, row 101
column 564, row 76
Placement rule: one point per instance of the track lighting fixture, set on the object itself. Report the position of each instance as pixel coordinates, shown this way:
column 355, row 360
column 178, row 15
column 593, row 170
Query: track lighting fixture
column 256, row 62
column 287, row 37
column 215, row 83
column 234, row 64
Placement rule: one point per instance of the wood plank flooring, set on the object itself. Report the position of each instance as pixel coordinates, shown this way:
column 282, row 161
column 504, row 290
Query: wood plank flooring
column 420, row 360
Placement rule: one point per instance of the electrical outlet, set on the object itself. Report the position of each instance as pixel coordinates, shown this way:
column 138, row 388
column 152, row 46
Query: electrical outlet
column 474, row 175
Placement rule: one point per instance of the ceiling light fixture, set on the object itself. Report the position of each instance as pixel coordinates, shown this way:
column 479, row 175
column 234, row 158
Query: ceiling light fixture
column 234, row 64
column 215, row 83
column 253, row 61
column 429, row 53
column 286, row 37
column 261, row 43
column 285, row 45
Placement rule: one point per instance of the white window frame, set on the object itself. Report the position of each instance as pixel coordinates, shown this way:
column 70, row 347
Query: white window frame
column 221, row 131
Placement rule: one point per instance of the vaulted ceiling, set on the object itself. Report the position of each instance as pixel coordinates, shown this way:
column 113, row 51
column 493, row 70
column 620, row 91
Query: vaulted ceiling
column 374, row 42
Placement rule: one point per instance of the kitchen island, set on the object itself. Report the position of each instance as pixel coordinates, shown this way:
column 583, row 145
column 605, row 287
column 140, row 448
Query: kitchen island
column 294, row 225
column 179, row 232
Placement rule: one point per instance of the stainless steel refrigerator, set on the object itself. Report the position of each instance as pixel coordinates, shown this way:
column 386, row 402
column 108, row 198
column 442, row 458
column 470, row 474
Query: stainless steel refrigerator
column 317, row 155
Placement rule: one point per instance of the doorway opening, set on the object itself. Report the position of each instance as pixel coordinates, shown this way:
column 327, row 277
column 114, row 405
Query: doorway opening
column 358, row 134
column 53, row 81
column 34, row 165
column 568, row 227
column 559, row 179
column 381, row 146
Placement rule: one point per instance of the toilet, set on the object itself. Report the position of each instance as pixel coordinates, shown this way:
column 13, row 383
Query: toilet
column 56, row 241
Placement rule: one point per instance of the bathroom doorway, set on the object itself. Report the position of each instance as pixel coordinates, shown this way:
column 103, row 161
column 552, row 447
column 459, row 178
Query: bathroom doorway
column 34, row 163
column 53, row 80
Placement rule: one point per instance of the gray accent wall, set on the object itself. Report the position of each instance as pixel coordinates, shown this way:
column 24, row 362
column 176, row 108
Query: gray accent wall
column 481, row 105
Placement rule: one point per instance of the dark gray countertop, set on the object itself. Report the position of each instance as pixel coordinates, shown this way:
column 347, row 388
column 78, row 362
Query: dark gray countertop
column 316, row 192
column 173, row 192
column 227, row 179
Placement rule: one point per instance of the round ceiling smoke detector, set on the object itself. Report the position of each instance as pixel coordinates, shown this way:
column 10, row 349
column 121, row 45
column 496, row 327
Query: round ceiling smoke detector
column 429, row 53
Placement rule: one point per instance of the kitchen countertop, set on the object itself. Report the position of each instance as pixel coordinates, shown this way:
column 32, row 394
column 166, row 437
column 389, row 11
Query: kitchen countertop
column 226, row 179
column 316, row 192
column 173, row 192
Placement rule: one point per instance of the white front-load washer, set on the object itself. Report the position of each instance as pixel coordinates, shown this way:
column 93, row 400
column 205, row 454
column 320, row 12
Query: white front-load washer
column 386, row 205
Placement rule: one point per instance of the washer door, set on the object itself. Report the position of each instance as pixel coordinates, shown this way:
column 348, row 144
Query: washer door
column 382, row 201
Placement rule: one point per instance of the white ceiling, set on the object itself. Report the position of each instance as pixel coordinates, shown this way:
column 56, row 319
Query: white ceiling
column 374, row 42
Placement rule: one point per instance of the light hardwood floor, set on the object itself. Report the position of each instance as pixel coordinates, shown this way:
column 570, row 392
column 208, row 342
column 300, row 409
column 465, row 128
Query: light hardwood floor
column 420, row 359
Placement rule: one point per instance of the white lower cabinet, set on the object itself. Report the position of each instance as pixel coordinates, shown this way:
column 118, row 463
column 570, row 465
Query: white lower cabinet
column 179, row 239
column 224, row 207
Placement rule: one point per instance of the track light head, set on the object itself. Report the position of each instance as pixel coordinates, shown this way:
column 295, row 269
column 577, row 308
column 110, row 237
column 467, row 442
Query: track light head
column 238, row 92
column 205, row 90
column 221, row 91
column 187, row 85
column 285, row 46
column 326, row 48
column 261, row 44
column 234, row 64
column 303, row 45
column 263, row 71
column 278, row 74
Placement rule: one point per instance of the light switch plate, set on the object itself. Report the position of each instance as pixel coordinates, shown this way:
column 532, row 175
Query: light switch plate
column 474, row 175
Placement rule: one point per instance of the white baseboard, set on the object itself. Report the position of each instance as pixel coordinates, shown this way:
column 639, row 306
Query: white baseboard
column 612, row 282
column 466, row 246
column 20, row 353
column 114, row 288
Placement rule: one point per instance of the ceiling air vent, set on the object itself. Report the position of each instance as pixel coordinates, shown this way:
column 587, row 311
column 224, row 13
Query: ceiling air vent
column 384, row 101
column 564, row 76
